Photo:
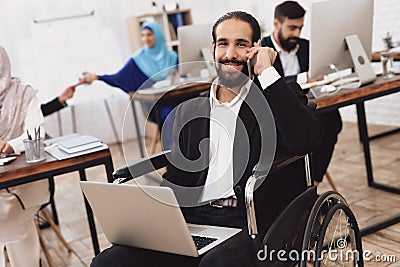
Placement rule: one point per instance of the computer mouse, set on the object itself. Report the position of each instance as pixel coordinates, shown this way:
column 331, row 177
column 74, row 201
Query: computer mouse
column 328, row 88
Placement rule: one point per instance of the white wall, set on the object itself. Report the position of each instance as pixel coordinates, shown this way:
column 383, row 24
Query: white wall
column 51, row 56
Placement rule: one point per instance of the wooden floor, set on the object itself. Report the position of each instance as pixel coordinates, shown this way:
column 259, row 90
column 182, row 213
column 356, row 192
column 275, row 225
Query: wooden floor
column 347, row 169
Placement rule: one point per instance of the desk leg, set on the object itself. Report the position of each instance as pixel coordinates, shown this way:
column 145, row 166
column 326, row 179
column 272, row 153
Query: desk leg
column 52, row 202
column 109, row 169
column 380, row 226
column 363, row 131
column 384, row 134
column 138, row 134
column 60, row 128
column 365, row 139
column 112, row 124
column 73, row 118
column 377, row 136
column 362, row 123
column 159, row 121
column 89, row 213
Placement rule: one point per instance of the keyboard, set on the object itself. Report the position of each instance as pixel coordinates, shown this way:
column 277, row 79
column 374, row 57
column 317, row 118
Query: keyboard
column 345, row 81
column 202, row 241
column 334, row 79
column 317, row 83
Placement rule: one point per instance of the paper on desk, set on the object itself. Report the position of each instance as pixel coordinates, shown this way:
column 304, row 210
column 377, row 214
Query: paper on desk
column 4, row 161
column 79, row 140
column 57, row 153
column 55, row 140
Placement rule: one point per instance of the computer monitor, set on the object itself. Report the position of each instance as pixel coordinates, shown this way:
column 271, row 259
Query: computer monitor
column 192, row 40
column 331, row 22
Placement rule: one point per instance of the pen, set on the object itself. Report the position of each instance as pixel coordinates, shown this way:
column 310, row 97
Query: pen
column 37, row 133
column 29, row 136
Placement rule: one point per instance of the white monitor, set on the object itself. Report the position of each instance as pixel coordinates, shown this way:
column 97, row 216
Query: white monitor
column 192, row 39
column 331, row 22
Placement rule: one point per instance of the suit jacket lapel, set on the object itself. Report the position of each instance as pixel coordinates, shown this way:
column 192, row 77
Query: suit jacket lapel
column 277, row 63
column 201, row 133
column 245, row 125
column 302, row 56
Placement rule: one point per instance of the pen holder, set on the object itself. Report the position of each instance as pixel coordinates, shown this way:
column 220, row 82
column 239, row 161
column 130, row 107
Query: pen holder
column 34, row 150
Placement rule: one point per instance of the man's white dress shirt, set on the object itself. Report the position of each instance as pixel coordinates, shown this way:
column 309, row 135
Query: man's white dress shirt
column 223, row 117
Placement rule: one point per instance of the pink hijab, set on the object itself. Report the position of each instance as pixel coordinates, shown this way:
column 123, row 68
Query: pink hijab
column 14, row 100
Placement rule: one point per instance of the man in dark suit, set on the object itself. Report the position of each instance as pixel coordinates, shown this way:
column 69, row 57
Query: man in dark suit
column 293, row 63
column 293, row 51
column 219, row 139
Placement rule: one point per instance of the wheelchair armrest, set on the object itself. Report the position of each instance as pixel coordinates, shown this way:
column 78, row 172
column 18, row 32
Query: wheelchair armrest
column 141, row 167
column 249, row 203
column 278, row 163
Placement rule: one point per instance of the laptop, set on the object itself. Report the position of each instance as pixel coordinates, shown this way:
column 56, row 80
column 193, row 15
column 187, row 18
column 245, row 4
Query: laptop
column 149, row 217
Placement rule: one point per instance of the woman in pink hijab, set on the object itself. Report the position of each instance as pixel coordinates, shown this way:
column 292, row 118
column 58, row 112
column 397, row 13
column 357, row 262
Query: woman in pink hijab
column 19, row 112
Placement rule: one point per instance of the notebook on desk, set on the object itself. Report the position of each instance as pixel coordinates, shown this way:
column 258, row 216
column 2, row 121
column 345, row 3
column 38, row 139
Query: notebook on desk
column 60, row 154
column 149, row 217
column 78, row 140
column 73, row 145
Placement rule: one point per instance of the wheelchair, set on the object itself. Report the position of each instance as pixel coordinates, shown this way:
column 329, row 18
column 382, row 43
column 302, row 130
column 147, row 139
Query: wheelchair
column 314, row 230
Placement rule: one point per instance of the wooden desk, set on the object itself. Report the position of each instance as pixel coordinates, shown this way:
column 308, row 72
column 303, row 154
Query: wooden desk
column 19, row 172
column 380, row 87
column 376, row 56
column 166, row 94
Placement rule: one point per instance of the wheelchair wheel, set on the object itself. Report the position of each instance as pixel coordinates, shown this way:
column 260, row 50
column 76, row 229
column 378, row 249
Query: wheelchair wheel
column 339, row 242
column 317, row 215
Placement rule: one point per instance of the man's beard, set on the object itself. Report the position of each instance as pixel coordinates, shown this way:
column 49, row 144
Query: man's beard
column 286, row 43
column 239, row 77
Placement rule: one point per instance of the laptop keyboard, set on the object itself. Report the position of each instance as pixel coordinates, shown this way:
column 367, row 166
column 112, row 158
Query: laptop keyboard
column 202, row 241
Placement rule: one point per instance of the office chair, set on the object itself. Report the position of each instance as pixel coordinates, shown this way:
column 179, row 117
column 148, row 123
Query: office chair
column 154, row 140
column 155, row 137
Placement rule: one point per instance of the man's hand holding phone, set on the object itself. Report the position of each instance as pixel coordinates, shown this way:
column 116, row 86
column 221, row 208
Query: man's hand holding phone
column 264, row 58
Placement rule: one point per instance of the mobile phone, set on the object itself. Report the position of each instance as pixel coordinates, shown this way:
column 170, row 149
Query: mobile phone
column 250, row 66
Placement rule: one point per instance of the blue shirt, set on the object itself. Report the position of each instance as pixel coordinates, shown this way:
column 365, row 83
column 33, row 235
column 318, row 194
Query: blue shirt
column 130, row 78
